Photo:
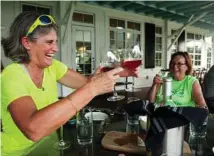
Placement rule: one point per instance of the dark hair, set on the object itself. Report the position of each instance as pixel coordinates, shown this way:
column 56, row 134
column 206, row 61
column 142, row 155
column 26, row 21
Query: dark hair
column 12, row 45
column 187, row 59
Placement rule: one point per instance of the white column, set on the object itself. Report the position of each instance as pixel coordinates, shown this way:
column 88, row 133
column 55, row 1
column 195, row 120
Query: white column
column 66, row 49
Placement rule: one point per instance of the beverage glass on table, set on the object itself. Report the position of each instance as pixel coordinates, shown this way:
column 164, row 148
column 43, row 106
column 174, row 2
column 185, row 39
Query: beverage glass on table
column 199, row 130
column 84, row 126
column 61, row 144
column 132, row 124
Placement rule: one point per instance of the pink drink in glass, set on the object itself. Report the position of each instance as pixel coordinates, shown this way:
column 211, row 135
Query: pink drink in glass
column 131, row 64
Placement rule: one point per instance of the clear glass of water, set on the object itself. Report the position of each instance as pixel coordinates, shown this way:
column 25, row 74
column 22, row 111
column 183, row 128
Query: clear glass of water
column 199, row 130
column 84, row 126
column 132, row 125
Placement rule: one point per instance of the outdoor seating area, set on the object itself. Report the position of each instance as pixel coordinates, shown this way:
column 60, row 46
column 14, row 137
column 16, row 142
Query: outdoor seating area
column 107, row 78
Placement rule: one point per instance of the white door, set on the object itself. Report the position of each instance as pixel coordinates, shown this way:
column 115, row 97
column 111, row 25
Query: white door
column 83, row 43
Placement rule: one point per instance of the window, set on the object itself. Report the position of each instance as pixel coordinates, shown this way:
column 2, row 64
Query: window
column 83, row 18
column 175, row 45
column 39, row 9
column 208, row 42
column 194, row 48
column 124, row 35
column 158, row 46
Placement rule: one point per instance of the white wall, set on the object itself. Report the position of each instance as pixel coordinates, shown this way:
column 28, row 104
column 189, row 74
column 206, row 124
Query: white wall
column 10, row 9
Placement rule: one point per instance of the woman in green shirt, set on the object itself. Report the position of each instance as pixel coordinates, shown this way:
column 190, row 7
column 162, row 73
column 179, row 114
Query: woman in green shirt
column 30, row 106
column 186, row 90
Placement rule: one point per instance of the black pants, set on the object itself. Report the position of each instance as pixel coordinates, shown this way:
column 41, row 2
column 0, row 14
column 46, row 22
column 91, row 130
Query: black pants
column 210, row 104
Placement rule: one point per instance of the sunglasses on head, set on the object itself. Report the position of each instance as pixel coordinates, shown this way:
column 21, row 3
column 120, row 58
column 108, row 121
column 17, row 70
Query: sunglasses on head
column 41, row 20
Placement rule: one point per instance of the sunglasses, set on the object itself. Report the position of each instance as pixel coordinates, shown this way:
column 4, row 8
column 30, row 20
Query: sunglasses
column 41, row 20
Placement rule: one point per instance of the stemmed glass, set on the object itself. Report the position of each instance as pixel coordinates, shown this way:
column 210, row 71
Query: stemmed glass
column 109, row 62
column 133, row 59
column 61, row 144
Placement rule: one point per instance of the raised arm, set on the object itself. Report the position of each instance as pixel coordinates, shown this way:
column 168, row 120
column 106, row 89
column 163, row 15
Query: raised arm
column 73, row 79
column 154, row 88
column 36, row 124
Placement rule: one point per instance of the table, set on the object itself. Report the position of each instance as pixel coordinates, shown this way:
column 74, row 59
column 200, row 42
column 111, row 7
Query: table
column 45, row 147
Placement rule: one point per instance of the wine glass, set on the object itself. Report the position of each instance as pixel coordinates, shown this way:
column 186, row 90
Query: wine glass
column 61, row 144
column 109, row 61
column 133, row 59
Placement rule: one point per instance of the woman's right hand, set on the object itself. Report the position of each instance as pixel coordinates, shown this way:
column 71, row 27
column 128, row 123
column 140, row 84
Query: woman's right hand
column 157, row 80
column 104, row 82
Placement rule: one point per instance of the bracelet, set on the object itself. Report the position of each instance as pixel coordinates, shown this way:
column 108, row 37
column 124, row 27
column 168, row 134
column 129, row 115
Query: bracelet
column 76, row 110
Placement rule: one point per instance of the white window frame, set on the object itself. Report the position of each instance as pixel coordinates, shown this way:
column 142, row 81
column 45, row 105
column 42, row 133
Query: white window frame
column 209, row 54
column 159, row 52
column 37, row 5
column 196, row 62
column 126, row 30
column 82, row 23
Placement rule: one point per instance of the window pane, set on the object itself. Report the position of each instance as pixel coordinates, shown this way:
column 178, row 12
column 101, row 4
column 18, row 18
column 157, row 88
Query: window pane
column 28, row 8
column 79, row 36
column 197, row 57
column 112, row 44
column 158, row 47
column 88, row 19
column 137, row 38
column 120, row 40
column 158, row 30
column 112, row 35
column 190, row 50
column 43, row 10
column 87, row 35
column 113, row 22
column 121, row 24
column 78, row 17
column 197, row 49
column 190, row 36
column 131, row 25
column 130, row 40
column 137, row 26
column 79, row 47
column 88, row 45
column 158, row 40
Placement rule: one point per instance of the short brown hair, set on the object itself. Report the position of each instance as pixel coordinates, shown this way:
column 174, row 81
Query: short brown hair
column 187, row 59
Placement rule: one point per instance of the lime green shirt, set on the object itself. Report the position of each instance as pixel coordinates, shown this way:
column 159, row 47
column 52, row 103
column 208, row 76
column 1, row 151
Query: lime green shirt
column 181, row 92
column 16, row 83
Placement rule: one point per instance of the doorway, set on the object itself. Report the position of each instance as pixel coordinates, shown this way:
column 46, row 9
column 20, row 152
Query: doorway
column 84, row 49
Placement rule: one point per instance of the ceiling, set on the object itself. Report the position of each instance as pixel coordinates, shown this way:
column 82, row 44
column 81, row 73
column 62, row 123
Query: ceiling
column 178, row 11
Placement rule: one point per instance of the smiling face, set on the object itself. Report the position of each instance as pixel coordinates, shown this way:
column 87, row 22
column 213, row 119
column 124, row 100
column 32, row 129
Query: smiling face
column 42, row 49
column 178, row 67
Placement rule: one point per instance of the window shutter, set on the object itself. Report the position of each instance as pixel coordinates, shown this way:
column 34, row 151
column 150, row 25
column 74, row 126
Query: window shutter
column 149, row 45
